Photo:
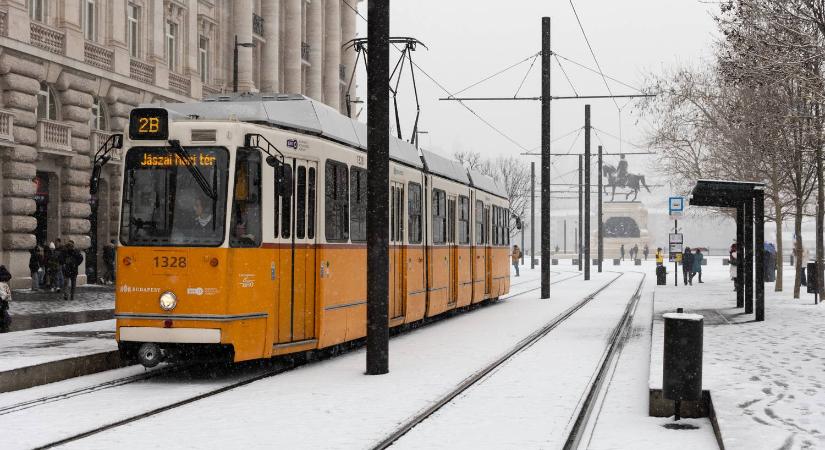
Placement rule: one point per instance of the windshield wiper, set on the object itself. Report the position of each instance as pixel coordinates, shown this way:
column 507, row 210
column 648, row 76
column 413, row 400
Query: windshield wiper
column 196, row 173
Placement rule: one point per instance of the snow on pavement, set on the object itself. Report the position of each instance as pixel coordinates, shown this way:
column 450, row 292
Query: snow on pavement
column 31, row 347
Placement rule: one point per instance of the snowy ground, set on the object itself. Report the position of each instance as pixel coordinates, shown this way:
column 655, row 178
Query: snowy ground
column 87, row 298
column 766, row 378
column 32, row 347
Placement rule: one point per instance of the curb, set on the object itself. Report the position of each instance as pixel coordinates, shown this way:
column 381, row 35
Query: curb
column 50, row 372
column 46, row 320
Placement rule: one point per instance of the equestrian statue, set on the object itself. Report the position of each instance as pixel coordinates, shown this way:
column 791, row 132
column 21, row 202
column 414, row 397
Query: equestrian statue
column 619, row 177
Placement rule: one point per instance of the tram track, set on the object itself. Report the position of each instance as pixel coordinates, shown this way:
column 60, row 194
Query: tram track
column 282, row 365
column 590, row 395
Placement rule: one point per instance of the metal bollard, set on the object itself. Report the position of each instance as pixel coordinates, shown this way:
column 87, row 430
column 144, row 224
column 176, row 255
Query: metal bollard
column 682, row 358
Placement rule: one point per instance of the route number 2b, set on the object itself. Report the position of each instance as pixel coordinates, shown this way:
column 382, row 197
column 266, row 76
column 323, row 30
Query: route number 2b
column 148, row 125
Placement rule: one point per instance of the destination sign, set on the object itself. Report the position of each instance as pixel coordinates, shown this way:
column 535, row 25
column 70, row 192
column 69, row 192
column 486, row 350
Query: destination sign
column 149, row 124
column 172, row 160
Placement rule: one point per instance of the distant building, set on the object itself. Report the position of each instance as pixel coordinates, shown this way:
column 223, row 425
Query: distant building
column 71, row 71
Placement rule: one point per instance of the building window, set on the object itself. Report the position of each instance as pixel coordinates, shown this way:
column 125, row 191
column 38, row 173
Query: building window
column 46, row 104
column 203, row 59
column 98, row 120
column 37, row 10
column 133, row 29
column 172, row 45
column 89, row 20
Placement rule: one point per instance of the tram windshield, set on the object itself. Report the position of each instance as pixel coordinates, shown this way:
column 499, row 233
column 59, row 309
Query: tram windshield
column 168, row 200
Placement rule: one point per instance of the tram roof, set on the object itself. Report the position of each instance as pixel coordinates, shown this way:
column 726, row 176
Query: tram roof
column 486, row 183
column 447, row 168
column 293, row 111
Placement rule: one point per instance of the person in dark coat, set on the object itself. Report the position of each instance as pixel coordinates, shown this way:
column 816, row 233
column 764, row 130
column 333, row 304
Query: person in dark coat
column 71, row 261
column 697, row 265
column 52, row 267
column 109, row 257
column 34, row 267
column 5, row 298
column 621, row 252
column 646, row 251
column 687, row 267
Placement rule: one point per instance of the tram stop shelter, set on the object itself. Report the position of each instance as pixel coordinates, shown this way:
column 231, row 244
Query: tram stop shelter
column 749, row 200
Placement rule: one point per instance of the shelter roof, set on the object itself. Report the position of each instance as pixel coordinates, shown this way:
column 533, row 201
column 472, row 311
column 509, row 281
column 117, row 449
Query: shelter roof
column 723, row 193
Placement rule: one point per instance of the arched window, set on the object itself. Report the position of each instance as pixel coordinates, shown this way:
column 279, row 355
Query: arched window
column 46, row 103
column 99, row 120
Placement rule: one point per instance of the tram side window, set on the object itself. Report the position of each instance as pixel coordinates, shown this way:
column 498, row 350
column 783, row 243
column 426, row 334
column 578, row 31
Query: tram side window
column 414, row 211
column 439, row 216
column 246, row 202
column 286, row 205
column 463, row 220
column 300, row 200
column 479, row 222
column 311, row 204
column 495, row 225
column 507, row 226
column 358, row 204
column 336, row 202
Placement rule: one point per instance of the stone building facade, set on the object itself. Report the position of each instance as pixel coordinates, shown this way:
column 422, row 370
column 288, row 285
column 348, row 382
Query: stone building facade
column 71, row 71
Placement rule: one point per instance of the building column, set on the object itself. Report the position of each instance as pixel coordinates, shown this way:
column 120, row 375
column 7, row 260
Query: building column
column 315, row 39
column 270, row 54
column 242, row 17
column 292, row 47
column 348, row 18
column 332, row 54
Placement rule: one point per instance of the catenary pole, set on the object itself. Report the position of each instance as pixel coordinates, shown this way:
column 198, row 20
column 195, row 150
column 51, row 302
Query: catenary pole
column 378, row 180
column 533, row 215
column 546, row 59
column 586, row 192
column 581, row 221
column 600, row 224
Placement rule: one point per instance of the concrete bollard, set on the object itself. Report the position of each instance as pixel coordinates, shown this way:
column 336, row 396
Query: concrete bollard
column 637, row 262
column 554, row 262
column 616, row 261
column 682, row 374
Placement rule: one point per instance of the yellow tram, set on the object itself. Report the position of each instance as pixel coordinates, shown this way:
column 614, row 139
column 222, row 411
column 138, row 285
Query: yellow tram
column 243, row 230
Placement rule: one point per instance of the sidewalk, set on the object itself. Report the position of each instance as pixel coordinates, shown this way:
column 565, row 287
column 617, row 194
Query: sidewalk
column 40, row 309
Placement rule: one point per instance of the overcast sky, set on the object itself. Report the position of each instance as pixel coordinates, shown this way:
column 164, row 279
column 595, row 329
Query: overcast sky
column 469, row 40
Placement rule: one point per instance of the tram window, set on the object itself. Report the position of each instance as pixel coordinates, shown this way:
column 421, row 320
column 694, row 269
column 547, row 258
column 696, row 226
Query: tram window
column 451, row 221
column 494, row 224
column 487, row 225
column 463, row 220
column 311, row 204
column 397, row 230
column 507, row 226
column 300, row 201
column 246, row 204
column 336, row 201
column 286, row 205
column 414, row 211
column 358, row 204
column 479, row 222
column 439, row 216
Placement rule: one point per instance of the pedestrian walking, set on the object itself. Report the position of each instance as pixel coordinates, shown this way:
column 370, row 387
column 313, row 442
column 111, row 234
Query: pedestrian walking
column 515, row 256
column 660, row 257
column 109, row 258
column 687, row 267
column 5, row 299
column 71, row 261
column 621, row 252
column 635, row 252
column 35, row 267
column 697, row 265
column 803, row 264
column 646, row 251
column 734, row 262
column 53, row 273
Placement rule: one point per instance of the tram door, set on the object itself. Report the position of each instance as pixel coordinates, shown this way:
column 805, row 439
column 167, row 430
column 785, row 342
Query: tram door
column 296, row 315
column 452, row 253
column 397, row 251
column 488, row 251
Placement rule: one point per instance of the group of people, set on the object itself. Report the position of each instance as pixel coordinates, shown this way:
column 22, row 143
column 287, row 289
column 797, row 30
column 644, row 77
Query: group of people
column 634, row 252
column 54, row 267
column 691, row 265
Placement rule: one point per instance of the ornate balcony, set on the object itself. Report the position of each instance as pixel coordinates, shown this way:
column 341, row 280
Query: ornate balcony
column 305, row 52
column 48, row 38
column 257, row 24
column 6, row 127
column 98, row 56
column 180, row 84
column 53, row 136
column 97, row 138
column 140, row 71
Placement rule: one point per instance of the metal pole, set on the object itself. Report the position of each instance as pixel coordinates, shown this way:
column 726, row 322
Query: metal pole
column 565, row 236
column 378, row 180
column 600, row 224
column 820, row 228
column 759, row 235
column 675, row 258
column 533, row 215
column 235, row 66
column 586, row 192
column 546, row 55
column 748, row 256
column 523, row 226
column 740, row 256
column 579, row 233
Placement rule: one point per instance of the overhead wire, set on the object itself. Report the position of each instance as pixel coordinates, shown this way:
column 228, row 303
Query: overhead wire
column 526, row 74
column 566, row 77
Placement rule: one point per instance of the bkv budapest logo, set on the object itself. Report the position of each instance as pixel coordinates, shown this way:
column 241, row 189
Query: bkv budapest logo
column 292, row 143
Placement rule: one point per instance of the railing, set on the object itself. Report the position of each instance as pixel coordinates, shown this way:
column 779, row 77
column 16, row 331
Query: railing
column 52, row 135
column 48, row 38
column 98, row 56
column 4, row 23
column 140, row 71
column 180, row 84
column 97, row 138
column 6, row 126
column 257, row 24
column 210, row 90
column 305, row 51
column 342, row 72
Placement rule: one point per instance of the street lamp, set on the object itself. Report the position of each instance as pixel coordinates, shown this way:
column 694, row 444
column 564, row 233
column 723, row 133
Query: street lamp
column 235, row 62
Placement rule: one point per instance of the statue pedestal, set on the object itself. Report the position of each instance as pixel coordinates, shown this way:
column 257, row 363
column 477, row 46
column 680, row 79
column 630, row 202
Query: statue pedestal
column 625, row 223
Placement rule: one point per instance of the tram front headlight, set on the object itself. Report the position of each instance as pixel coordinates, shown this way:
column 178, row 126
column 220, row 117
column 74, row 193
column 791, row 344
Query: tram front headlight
column 168, row 301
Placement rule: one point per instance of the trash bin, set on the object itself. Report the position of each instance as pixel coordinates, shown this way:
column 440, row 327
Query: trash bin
column 637, row 262
column 682, row 374
column 811, row 274
column 661, row 276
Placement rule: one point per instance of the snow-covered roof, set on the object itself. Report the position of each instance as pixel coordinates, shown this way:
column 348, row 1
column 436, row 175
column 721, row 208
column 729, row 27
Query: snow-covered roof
column 292, row 111
column 486, row 183
column 439, row 165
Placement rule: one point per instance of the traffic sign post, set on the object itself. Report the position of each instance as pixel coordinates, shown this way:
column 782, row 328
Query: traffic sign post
column 676, row 207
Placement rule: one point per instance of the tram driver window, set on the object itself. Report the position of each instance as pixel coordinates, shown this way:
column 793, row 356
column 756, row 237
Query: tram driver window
column 246, row 202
